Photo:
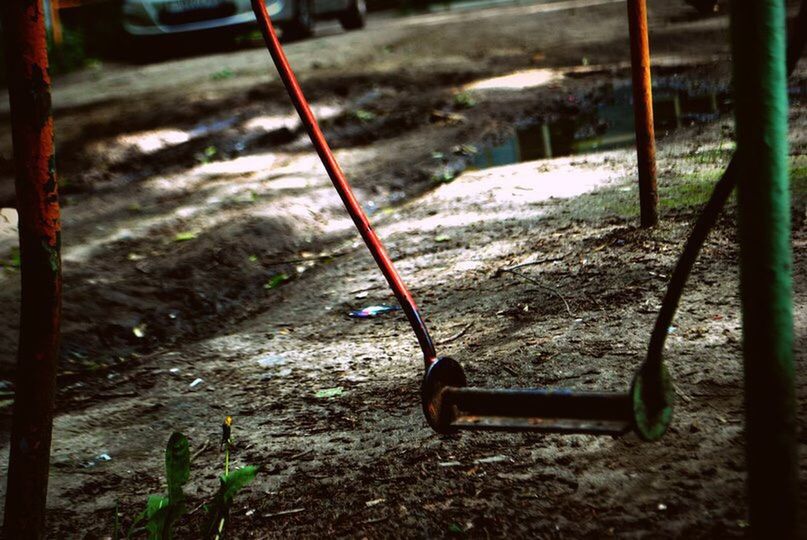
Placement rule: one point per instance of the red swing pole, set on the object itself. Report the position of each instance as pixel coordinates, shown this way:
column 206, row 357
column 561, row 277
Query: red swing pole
column 40, row 311
column 643, row 112
column 342, row 185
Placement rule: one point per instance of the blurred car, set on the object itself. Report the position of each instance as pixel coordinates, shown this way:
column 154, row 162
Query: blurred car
column 296, row 18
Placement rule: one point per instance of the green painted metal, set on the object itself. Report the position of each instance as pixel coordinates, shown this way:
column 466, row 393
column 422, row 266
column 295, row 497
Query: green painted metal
column 652, row 396
column 758, row 43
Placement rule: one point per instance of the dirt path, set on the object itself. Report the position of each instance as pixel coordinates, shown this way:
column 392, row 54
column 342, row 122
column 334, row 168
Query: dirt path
column 203, row 241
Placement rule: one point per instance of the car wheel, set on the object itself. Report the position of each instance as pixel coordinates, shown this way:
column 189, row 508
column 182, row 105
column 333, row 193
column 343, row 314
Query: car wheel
column 355, row 16
column 302, row 26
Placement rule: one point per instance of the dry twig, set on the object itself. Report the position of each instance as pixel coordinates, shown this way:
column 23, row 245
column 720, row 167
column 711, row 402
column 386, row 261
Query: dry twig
column 456, row 336
column 534, row 281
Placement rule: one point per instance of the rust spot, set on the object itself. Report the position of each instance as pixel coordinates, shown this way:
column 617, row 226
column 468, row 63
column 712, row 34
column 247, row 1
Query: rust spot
column 39, row 101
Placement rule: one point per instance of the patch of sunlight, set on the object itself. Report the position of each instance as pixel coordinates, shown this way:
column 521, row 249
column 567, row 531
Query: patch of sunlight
column 9, row 240
column 305, row 165
column 291, row 121
column 468, row 266
column 237, row 166
column 528, row 182
column 272, row 122
column 520, row 80
column 293, row 182
column 128, row 230
column 151, row 141
column 504, row 193
column 323, row 111
column 8, row 223
column 443, row 221
column 232, row 344
column 148, row 142
column 276, row 163
column 338, row 225
column 456, row 262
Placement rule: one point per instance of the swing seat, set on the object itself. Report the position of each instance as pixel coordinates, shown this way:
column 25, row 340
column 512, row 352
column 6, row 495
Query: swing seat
column 450, row 405
column 544, row 410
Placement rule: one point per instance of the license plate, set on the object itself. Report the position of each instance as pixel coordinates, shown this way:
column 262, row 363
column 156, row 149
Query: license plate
column 182, row 6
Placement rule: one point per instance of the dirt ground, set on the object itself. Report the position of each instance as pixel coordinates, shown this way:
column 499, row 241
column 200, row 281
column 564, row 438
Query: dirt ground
column 202, row 240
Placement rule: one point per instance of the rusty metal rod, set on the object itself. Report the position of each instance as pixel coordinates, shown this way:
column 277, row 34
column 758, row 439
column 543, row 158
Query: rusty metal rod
column 40, row 313
column 540, row 402
column 342, row 186
column 643, row 111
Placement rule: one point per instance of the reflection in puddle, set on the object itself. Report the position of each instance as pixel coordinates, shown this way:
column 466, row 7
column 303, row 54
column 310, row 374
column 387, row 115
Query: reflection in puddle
column 607, row 127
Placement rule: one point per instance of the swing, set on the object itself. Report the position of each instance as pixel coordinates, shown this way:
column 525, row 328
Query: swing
column 449, row 404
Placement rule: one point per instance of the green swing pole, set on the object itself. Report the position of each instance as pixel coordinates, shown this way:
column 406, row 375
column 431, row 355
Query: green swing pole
column 758, row 44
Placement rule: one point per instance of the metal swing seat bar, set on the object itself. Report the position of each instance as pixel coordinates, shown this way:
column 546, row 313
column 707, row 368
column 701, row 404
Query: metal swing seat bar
column 449, row 404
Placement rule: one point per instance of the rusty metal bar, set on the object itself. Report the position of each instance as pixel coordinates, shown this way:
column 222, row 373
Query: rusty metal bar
column 643, row 111
column 40, row 313
column 547, row 410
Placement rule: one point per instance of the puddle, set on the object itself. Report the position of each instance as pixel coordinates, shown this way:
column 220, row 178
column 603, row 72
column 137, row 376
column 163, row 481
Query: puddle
column 606, row 127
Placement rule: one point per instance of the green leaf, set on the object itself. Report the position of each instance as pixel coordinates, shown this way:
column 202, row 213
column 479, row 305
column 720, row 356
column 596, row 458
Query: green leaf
column 184, row 236
column 329, row 392
column 116, row 530
column 276, row 280
column 445, row 175
column 364, row 115
column 154, row 503
column 13, row 260
column 156, row 513
column 237, row 480
column 177, row 465
column 219, row 508
column 464, row 100
column 222, row 75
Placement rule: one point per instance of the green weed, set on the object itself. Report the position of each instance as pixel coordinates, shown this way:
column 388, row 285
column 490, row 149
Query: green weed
column 164, row 510
column 222, row 75
column 464, row 100
column 364, row 115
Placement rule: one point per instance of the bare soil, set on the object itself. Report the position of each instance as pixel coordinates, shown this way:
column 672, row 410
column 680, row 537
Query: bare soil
column 202, row 240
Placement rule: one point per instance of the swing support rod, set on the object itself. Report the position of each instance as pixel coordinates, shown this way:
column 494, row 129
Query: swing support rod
column 643, row 112
column 342, row 186
column 758, row 45
column 40, row 266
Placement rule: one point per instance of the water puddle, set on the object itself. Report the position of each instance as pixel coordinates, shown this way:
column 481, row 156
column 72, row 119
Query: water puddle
column 607, row 126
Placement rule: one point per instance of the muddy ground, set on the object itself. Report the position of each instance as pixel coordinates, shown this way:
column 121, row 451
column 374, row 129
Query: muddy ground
column 202, row 240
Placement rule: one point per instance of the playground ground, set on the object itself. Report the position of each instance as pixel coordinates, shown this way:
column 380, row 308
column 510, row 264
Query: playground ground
column 202, row 240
